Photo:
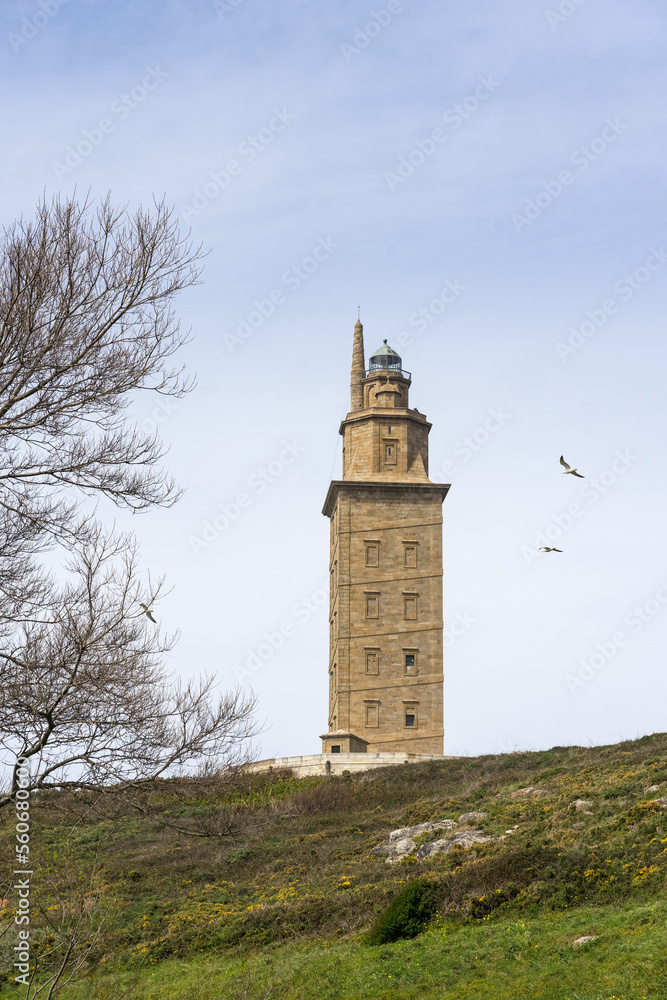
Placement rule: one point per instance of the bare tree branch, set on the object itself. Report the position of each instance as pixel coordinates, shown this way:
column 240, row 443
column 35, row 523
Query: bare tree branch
column 86, row 319
column 84, row 698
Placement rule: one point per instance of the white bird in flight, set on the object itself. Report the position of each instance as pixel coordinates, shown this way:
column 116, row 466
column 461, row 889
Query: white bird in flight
column 148, row 611
column 569, row 469
column 545, row 548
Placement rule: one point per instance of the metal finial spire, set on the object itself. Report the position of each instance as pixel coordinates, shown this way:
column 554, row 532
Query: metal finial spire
column 358, row 312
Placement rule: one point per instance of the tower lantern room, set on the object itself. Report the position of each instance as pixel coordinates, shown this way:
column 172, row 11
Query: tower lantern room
column 382, row 437
column 386, row 359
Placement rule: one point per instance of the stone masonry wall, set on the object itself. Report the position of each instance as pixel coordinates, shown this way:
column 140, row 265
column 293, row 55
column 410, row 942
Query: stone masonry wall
column 385, row 667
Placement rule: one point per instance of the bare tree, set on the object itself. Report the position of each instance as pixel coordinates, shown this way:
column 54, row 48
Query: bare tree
column 86, row 319
column 84, row 698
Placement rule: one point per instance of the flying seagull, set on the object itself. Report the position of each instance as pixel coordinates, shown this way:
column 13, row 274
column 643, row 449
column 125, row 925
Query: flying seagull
column 568, row 468
column 148, row 611
column 545, row 548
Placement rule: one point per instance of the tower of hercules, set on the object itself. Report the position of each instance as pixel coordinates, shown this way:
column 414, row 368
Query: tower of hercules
column 385, row 639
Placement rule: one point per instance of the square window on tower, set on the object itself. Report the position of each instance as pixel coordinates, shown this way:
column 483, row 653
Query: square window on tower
column 372, row 716
column 410, row 607
column 410, row 554
column 372, row 554
column 372, row 605
column 410, row 661
column 391, row 453
column 410, row 712
column 372, row 661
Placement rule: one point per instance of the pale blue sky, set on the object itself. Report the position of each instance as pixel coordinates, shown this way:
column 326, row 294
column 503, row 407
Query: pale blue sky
column 328, row 126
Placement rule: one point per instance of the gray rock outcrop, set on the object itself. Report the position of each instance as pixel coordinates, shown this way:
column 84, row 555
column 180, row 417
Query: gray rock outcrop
column 414, row 831
column 582, row 806
column 401, row 843
column 473, row 817
column 464, row 839
column 528, row 790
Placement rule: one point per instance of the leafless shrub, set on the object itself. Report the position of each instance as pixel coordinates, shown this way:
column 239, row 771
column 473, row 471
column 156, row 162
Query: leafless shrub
column 67, row 926
column 330, row 796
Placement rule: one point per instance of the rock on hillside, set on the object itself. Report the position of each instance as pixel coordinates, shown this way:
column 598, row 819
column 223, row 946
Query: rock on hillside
column 401, row 843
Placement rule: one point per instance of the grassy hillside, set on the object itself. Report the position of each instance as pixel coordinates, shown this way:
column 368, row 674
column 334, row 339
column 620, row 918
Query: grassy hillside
column 271, row 888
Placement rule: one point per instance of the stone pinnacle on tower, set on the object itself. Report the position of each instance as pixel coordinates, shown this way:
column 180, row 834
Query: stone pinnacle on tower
column 358, row 373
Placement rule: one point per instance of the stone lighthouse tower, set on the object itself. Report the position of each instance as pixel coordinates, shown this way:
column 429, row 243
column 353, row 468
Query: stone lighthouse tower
column 385, row 646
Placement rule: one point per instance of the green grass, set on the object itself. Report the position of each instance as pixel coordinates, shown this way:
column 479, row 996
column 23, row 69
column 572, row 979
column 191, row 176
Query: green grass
column 526, row 958
column 285, row 884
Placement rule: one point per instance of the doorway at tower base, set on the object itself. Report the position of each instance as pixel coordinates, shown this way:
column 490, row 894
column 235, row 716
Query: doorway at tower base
column 340, row 741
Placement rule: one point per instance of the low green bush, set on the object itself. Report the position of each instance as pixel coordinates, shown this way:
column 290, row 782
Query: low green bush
column 407, row 914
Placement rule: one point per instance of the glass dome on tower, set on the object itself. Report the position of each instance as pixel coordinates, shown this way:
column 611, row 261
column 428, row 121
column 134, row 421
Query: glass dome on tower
column 385, row 359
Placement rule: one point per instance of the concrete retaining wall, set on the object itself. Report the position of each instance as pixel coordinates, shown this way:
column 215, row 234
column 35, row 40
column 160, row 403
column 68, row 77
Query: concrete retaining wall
column 315, row 763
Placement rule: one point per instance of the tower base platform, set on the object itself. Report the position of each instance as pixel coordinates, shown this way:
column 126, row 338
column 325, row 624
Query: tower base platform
column 336, row 763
